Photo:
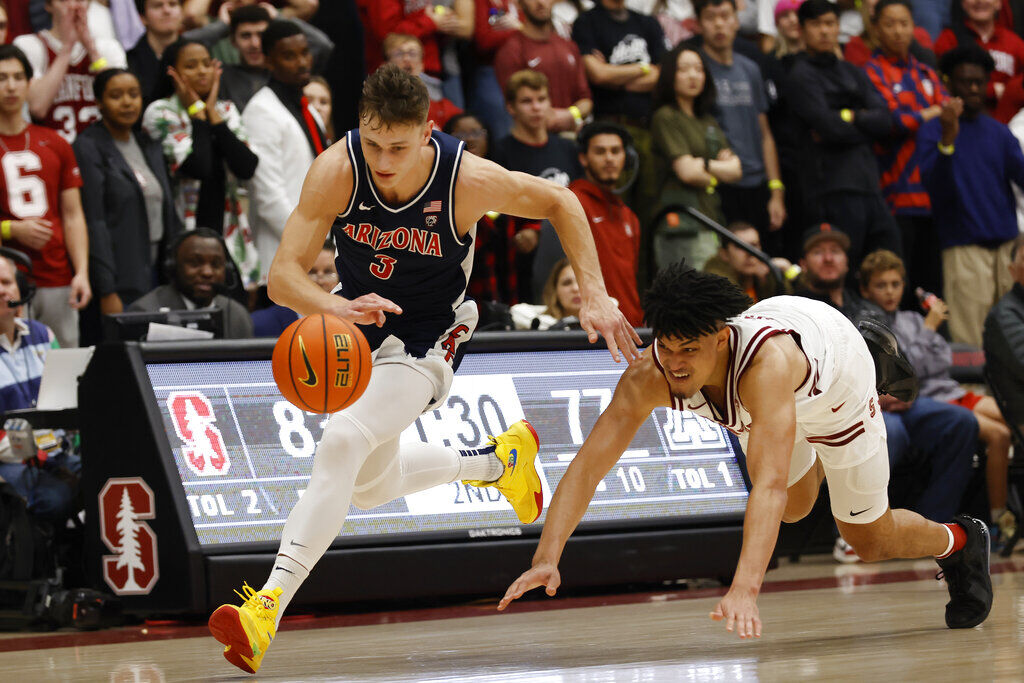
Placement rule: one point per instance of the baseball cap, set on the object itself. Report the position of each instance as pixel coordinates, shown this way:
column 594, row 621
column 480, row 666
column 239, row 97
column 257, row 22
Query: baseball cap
column 825, row 231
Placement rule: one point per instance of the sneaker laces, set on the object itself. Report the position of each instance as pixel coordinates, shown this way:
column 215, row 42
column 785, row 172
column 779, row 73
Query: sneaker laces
column 251, row 596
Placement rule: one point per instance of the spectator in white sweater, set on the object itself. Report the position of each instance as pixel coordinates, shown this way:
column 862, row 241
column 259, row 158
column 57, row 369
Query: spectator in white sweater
column 284, row 132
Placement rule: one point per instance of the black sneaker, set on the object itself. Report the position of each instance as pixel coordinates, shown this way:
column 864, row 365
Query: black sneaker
column 967, row 577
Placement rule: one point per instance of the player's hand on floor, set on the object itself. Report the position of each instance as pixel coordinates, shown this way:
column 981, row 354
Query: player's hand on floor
column 602, row 316
column 541, row 575
column 369, row 309
column 739, row 611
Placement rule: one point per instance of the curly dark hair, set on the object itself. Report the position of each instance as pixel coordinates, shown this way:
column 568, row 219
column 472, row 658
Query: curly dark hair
column 686, row 303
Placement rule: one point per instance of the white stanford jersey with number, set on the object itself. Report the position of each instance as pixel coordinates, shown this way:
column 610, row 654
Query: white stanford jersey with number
column 836, row 402
column 74, row 107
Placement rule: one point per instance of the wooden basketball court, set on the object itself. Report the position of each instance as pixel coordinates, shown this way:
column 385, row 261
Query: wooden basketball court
column 822, row 621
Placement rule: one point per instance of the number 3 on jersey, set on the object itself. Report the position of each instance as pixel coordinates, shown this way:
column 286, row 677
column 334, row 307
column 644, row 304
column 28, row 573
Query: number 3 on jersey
column 386, row 266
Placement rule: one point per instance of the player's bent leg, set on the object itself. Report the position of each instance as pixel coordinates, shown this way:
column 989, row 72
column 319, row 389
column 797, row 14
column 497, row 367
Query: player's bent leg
column 961, row 548
column 314, row 522
column 805, row 475
column 802, row 495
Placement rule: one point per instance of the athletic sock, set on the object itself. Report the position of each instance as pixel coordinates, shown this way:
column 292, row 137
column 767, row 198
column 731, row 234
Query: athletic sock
column 287, row 575
column 996, row 514
column 957, row 539
column 480, row 464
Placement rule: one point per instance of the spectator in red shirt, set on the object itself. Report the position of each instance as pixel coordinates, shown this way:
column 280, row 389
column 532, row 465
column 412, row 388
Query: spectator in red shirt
column 64, row 60
column 406, row 52
column 428, row 20
column 981, row 26
column 40, row 206
column 538, row 46
column 495, row 22
column 615, row 227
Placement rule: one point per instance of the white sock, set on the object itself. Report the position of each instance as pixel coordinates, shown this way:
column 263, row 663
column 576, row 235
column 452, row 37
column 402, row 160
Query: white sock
column 949, row 548
column 287, row 575
column 996, row 514
column 480, row 464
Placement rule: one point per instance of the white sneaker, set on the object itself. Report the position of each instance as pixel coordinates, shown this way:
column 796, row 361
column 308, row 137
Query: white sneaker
column 844, row 552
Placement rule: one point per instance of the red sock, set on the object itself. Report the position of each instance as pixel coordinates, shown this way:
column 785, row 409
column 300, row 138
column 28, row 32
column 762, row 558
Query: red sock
column 959, row 539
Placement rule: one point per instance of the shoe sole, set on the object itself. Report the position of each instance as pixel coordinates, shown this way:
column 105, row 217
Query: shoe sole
column 226, row 626
column 532, row 477
column 236, row 659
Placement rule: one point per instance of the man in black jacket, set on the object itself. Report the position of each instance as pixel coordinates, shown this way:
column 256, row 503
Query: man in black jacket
column 845, row 115
column 1004, row 342
column 197, row 268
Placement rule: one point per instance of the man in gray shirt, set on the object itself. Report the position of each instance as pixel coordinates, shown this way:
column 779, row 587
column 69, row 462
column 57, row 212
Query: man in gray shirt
column 759, row 198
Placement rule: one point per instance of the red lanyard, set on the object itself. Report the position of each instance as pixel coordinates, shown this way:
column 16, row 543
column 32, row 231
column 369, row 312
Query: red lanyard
column 314, row 131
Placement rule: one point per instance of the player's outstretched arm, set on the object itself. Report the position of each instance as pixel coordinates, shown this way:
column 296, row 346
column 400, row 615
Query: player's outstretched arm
column 767, row 391
column 325, row 193
column 485, row 186
column 615, row 428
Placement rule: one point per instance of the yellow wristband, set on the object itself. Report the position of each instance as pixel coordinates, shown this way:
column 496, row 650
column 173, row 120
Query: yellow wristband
column 196, row 108
column 946, row 149
column 846, row 115
column 710, row 189
column 776, row 184
column 5, row 230
column 576, row 113
column 99, row 65
column 645, row 68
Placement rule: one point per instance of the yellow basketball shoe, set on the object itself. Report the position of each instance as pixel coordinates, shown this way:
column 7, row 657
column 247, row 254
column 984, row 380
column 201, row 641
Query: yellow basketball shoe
column 247, row 631
column 519, row 482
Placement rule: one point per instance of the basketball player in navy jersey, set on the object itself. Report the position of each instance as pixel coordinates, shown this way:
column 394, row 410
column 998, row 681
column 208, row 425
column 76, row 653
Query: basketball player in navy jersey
column 795, row 380
column 402, row 203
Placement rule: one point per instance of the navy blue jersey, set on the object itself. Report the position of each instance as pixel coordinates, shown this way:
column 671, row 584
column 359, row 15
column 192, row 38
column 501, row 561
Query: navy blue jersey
column 411, row 254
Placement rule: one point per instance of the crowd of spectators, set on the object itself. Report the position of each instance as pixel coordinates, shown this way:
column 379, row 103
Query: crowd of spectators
column 152, row 150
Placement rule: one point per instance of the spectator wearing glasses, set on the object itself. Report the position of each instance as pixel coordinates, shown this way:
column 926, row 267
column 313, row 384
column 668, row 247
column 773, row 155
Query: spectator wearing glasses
column 272, row 321
column 406, row 52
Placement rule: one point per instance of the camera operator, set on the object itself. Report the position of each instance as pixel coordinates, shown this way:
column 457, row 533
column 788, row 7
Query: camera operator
column 48, row 486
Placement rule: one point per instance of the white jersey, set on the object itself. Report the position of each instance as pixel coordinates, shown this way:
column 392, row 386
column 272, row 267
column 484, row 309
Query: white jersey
column 836, row 402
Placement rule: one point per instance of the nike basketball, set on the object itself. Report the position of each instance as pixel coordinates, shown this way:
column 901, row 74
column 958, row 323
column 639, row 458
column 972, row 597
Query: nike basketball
column 321, row 363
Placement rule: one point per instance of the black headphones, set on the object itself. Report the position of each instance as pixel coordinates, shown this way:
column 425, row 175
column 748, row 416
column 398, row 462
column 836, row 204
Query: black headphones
column 232, row 278
column 26, row 285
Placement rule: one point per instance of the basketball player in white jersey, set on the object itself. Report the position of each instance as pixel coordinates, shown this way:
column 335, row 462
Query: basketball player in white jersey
column 795, row 380
column 403, row 202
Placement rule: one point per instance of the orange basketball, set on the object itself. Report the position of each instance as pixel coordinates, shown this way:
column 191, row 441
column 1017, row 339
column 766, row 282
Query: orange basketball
column 322, row 363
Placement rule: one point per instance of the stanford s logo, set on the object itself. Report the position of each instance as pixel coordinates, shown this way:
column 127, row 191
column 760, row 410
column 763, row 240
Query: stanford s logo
column 310, row 380
column 195, row 424
column 133, row 569
column 451, row 341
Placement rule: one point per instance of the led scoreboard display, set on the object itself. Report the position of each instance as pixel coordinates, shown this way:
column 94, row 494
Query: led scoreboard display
column 192, row 461
column 244, row 454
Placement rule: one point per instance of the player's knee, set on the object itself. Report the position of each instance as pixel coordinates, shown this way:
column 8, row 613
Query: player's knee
column 343, row 446
column 796, row 510
column 870, row 549
column 376, row 495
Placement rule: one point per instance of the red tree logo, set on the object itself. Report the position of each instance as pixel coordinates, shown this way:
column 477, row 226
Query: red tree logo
column 133, row 569
column 196, row 425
